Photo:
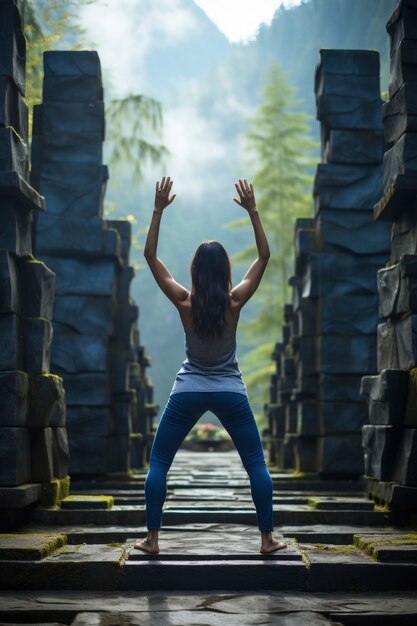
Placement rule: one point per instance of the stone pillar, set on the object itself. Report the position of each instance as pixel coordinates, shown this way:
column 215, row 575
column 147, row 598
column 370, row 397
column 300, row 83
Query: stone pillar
column 330, row 331
column 33, row 439
column 390, row 440
column 96, row 342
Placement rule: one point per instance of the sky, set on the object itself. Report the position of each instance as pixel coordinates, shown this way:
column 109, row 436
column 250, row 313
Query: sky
column 239, row 19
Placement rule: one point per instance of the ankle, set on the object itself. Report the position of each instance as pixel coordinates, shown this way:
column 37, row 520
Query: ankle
column 153, row 534
column 266, row 536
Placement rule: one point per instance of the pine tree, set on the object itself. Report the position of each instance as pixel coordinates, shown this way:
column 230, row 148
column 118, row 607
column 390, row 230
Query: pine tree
column 280, row 145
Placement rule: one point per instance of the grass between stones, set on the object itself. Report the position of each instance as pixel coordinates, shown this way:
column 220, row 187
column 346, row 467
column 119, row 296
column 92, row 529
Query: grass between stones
column 28, row 547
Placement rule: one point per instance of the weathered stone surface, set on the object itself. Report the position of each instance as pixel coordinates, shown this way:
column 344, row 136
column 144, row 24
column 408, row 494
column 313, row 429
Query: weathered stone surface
column 13, row 109
column 349, row 112
column 400, row 113
column 341, row 417
column 405, row 468
column 125, row 278
column 37, row 338
column 60, row 452
column 68, row 117
column 379, row 443
column 83, row 277
column 87, row 389
column 19, row 497
column 15, row 227
column 41, row 454
column 340, row 454
column 359, row 234
column 72, row 188
column 350, row 315
column 29, row 547
column 12, row 46
column 16, row 187
column 387, row 396
column 90, row 420
column 79, row 353
column 124, row 228
column 83, row 148
column 400, row 194
column 37, row 284
column 406, row 340
column 335, row 274
column 71, row 63
column 403, row 67
column 9, row 287
column 13, row 152
column 387, row 353
column 347, row 186
column 401, row 159
column 305, row 453
column 72, row 88
column 410, row 415
column 89, row 454
column 86, row 315
column 402, row 24
column 47, row 401
column 14, row 456
column 14, row 398
column 11, row 357
column 404, row 235
column 359, row 354
column 307, row 418
column 353, row 146
column 127, row 315
column 346, row 62
column 64, row 234
column 122, row 415
column 340, row 388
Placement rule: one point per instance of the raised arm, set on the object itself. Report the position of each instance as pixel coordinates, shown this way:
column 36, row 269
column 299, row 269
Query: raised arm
column 250, row 282
column 173, row 290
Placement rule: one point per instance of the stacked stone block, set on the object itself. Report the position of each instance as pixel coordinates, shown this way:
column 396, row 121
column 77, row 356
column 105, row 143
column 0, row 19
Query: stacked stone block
column 390, row 440
column 96, row 343
column 334, row 315
column 33, row 438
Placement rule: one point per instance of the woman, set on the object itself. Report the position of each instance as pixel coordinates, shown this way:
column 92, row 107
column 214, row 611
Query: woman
column 210, row 378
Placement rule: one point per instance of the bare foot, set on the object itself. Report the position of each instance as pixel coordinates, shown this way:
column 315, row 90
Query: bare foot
column 272, row 546
column 148, row 545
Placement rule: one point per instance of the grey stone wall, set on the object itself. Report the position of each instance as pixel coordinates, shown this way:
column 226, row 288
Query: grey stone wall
column 33, row 438
column 96, row 346
column 315, row 411
column 390, row 440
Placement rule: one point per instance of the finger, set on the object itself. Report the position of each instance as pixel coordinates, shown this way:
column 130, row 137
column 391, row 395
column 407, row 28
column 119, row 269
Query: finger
column 242, row 187
column 172, row 198
column 239, row 191
column 156, row 186
column 162, row 183
column 170, row 185
column 246, row 185
column 167, row 183
column 237, row 201
column 251, row 187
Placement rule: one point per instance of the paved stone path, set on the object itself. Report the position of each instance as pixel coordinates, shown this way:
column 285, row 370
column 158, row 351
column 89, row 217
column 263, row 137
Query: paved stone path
column 346, row 563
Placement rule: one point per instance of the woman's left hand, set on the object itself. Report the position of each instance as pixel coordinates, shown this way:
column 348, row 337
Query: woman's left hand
column 162, row 191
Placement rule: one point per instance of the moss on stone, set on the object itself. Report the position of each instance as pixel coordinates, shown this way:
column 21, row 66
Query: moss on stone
column 54, row 491
column 18, row 547
column 107, row 500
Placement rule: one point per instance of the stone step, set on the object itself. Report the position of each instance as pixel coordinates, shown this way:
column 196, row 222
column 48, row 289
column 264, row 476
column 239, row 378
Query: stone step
column 340, row 504
column 157, row 608
column 102, row 568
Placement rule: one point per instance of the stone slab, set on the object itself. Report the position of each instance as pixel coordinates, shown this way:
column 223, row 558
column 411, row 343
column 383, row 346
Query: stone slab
column 41, row 454
column 87, row 389
column 86, row 315
column 405, row 467
column 404, row 235
column 400, row 113
column 89, row 420
column 47, row 401
column 14, row 398
column 387, row 396
column 72, row 188
column 9, row 286
column 66, row 88
column 359, row 354
column 13, row 109
column 14, row 456
column 12, row 46
column 37, row 339
column 400, row 195
column 349, row 112
column 335, row 418
column 339, row 388
column 14, row 186
column 347, row 186
column 380, row 444
column 356, row 233
column 13, row 153
column 29, row 547
column 19, row 497
column 397, row 291
column 75, row 235
column 15, row 227
column 71, row 63
column 353, row 146
column 11, row 357
column 60, row 452
column 347, row 62
column 83, row 277
column 67, row 147
column 37, row 285
column 77, row 502
column 403, row 68
column 401, row 159
column 402, row 24
column 69, row 117
column 75, row 354
column 347, row 315
column 340, row 455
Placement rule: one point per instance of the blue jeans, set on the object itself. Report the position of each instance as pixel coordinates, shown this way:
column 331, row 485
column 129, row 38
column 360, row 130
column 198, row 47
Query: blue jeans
column 179, row 416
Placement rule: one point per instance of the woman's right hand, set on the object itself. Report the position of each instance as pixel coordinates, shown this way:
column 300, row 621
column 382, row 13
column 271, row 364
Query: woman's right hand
column 246, row 195
column 162, row 191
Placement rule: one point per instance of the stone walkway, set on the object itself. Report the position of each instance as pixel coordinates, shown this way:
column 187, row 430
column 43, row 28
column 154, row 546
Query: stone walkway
column 346, row 562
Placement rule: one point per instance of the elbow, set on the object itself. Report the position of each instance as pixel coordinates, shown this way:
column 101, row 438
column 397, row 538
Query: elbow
column 265, row 256
column 149, row 256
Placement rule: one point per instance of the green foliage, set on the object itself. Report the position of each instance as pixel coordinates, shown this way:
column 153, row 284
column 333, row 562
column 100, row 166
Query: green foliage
column 279, row 142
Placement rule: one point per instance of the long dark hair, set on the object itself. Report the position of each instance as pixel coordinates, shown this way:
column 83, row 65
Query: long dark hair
column 210, row 292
